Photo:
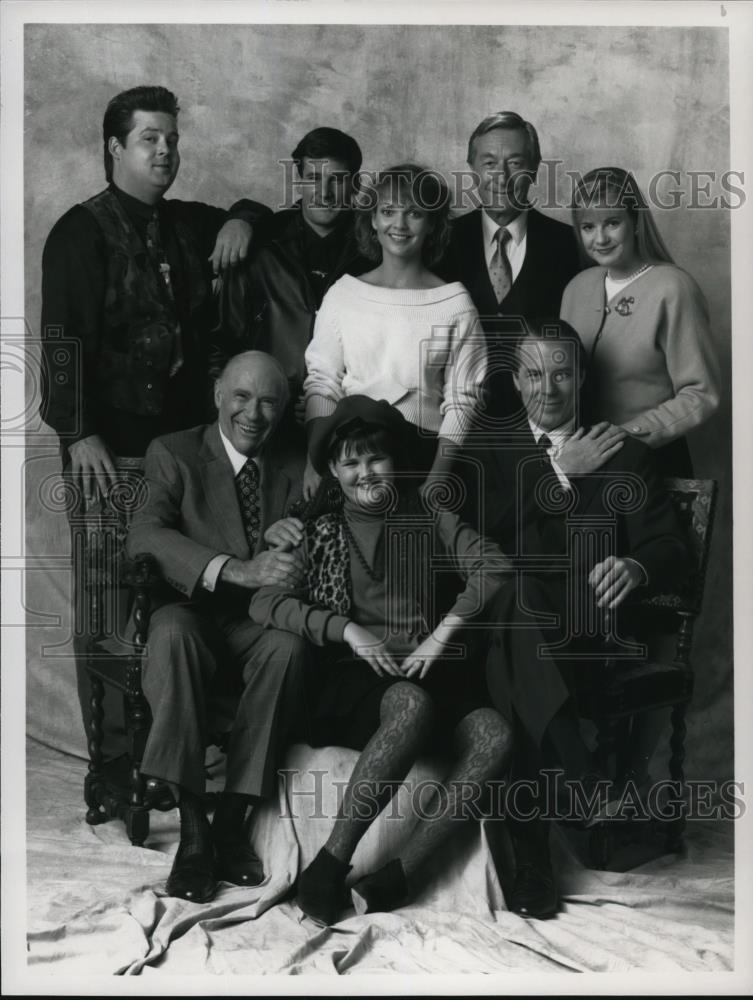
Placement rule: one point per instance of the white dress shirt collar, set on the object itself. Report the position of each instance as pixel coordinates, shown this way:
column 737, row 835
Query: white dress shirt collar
column 558, row 436
column 237, row 458
column 517, row 228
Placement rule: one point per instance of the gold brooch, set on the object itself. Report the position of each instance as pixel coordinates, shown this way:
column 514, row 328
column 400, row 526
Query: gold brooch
column 623, row 306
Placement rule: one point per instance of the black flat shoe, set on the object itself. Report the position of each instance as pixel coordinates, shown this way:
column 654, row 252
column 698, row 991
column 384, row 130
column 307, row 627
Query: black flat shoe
column 534, row 892
column 239, row 864
column 321, row 888
column 382, row 891
column 157, row 795
column 192, row 876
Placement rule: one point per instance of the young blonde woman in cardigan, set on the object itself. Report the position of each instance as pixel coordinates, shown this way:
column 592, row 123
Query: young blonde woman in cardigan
column 399, row 332
column 643, row 321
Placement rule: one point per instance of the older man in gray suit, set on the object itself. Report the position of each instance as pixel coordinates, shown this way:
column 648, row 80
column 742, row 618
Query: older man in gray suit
column 215, row 497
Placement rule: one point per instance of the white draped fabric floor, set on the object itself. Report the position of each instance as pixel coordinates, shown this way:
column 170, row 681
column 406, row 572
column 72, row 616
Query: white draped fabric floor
column 96, row 905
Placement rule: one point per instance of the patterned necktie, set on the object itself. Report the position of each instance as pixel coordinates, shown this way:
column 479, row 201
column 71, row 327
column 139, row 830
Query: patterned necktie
column 159, row 259
column 247, row 486
column 500, row 271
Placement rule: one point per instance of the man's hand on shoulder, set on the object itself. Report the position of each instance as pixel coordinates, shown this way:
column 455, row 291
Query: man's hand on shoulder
column 233, row 241
column 586, row 452
column 92, row 463
column 268, row 569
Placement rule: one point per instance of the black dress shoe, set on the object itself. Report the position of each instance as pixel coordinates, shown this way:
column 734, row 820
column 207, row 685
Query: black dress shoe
column 534, row 893
column 238, row 863
column 192, row 876
column 382, row 891
column 321, row 888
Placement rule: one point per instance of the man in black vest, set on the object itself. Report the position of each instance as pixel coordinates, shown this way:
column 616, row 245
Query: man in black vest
column 127, row 277
column 514, row 261
column 270, row 303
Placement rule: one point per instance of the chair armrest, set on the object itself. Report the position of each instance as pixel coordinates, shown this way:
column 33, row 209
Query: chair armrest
column 141, row 572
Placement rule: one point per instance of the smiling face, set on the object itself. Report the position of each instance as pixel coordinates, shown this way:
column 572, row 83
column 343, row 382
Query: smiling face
column 400, row 225
column 608, row 237
column 501, row 162
column 146, row 163
column 250, row 401
column 326, row 189
column 365, row 478
column 547, row 381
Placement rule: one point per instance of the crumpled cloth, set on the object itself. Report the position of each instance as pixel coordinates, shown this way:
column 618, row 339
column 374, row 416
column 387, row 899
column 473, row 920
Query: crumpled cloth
column 96, row 905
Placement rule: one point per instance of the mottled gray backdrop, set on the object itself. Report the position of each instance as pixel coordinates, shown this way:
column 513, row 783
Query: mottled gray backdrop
column 648, row 99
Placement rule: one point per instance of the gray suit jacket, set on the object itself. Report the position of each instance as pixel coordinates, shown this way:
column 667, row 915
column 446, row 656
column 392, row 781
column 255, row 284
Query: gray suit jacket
column 191, row 513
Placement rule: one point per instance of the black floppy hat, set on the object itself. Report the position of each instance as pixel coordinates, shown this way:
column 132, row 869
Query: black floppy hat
column 350, row 412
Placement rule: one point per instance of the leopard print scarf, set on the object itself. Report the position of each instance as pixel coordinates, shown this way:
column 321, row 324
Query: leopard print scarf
column 328, row 575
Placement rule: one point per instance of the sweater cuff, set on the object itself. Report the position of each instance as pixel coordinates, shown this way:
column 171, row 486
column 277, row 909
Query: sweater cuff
column 455, row 425
column 335, row 628
column 319, row 406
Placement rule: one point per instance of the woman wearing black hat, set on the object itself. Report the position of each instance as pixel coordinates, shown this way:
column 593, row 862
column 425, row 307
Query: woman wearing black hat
column 387, row 683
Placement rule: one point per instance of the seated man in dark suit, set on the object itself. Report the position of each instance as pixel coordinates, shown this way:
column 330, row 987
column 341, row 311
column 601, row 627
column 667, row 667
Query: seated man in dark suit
column 270, row 303
column 514, row 261
column 213, row 494
column 587, row 524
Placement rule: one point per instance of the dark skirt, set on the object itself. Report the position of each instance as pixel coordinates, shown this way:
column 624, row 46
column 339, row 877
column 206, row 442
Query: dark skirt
column 344, row 695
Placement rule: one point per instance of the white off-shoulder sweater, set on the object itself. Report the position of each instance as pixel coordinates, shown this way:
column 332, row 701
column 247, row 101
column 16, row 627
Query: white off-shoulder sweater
column 422, row 350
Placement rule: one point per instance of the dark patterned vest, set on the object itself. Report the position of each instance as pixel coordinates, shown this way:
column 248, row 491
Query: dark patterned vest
column 140, row 321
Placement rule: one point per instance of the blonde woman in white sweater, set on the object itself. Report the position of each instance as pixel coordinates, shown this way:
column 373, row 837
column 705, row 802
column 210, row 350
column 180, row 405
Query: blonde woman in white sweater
column 399, row 332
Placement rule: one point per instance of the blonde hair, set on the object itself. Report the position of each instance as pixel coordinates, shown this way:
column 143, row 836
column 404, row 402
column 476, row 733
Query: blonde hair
column 618, row 188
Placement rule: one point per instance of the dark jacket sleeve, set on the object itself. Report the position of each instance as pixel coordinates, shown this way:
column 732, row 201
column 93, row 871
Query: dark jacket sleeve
column 73, row 290
column 207, row 220
column 256, row 214
column 237, row 304
column 233, row 330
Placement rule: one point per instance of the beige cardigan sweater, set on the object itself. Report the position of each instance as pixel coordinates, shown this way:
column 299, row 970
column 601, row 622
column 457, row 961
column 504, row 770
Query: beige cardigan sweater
column 652, row 367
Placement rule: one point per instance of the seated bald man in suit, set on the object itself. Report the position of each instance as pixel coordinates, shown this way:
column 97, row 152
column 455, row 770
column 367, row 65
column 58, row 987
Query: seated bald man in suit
column 215, row 494
column 585, row 520
column 514, row 261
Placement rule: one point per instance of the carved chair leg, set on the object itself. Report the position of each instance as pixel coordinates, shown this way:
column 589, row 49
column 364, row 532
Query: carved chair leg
column 94, row 784
column 137, row 815
column 676, row 828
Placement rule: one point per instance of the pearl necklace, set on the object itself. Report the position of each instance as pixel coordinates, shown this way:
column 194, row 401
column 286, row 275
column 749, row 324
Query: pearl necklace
column 622, row 281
